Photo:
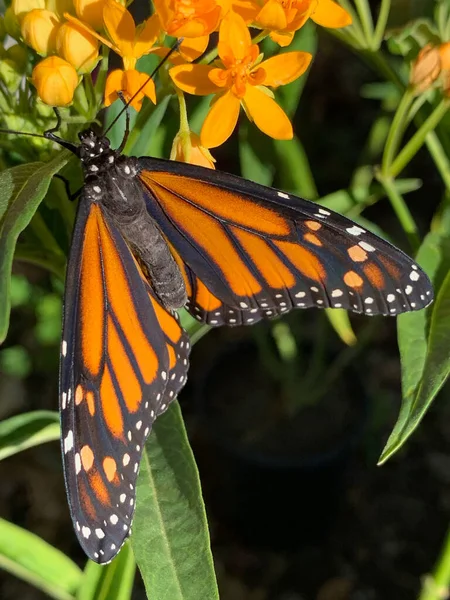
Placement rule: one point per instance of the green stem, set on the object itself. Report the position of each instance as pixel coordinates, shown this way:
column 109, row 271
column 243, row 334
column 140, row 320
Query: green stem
column 380, row 28
column 401, row 210
column 365, row 16
column 396, row 130
column 440, row 157
column 355, row 29
column 418, row 139
column 436, row 585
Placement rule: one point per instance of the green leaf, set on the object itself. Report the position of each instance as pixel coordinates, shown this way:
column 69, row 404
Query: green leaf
column 424, row 340
column 170, row 534
column 340, row 322
column 22, row 189
column 101, row 582
column 293, row 169
column 289, row 95
column 25, row 431
column 28, row 557
column 143, row 144
column 255, row 154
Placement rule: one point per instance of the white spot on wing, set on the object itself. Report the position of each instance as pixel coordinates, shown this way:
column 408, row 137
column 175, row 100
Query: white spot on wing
column 283, row 195
column 68, row 442
column 355, row 230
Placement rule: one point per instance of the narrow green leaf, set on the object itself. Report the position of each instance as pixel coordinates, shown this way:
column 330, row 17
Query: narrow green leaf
column 143, row 143
column 255, row 154
column 25, row 431
column 340, row 322
column 424, row 340
column 28, row 557
column 305, row 41
column 115, row 580
column 21, row 191
column 170, row 534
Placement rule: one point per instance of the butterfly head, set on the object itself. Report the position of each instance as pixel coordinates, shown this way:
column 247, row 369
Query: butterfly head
column 92, row 145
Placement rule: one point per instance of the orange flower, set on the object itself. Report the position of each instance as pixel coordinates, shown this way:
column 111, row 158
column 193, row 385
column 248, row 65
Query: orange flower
column 129, row 42
column 129, row 82
column 241, row 80
column 284, row 17
column 194, row 20
column 187, row 147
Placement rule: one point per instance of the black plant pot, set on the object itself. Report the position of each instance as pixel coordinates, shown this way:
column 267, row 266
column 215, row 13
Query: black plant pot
column 277, row 495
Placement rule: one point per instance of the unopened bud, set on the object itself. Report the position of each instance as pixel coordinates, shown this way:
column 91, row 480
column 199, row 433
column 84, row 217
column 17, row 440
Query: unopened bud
column 39, row 28
column 55, row 81
column 426, row 68
column 78, row 47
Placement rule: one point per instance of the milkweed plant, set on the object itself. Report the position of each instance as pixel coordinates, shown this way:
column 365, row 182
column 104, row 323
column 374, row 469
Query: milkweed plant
column 241, row 64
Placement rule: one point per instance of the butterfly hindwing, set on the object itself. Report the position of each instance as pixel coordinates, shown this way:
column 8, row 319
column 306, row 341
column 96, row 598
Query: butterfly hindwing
column 251, row 252
column 124, row 358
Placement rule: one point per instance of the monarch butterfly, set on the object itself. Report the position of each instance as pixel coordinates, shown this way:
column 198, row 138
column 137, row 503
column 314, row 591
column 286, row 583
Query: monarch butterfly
column 152, row 236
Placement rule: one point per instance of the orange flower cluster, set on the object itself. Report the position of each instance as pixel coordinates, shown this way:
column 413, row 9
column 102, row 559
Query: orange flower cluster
column 70, row 33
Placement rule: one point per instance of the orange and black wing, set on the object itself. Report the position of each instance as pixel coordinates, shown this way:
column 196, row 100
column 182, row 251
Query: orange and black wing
column 247, row 251
column 123, row 359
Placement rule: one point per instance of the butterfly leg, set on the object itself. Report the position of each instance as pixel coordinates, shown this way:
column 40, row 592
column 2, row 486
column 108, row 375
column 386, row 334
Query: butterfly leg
column 72, row 196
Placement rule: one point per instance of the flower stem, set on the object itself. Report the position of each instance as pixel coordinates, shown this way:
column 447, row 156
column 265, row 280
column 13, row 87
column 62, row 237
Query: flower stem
column 209, row 57
column 401, row 210
column 436, row 585
column 365, row 16
column 380, row 28
column 417, row 140
column 396, row 130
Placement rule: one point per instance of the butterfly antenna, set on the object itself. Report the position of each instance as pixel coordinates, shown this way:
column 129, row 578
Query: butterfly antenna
column 47, row 135
column 150, row 77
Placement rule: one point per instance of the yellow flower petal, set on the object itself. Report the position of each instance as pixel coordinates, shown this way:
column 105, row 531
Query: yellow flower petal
column 112, row 86
column 247, row 9
column 129, row 82
column 192, row 48
column 146, row 36
column 329, row 14
column 220, row 121
column 283, row 39
column 120, row 26
column 198, row 27
column 267, row 115
column 90, row 11
column 134, row 80
column 193, row 79
column 284, row 68
column 272, row 16
column 235, row 34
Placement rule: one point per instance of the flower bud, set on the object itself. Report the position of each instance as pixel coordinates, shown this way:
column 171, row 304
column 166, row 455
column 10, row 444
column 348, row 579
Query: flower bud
column 59, row 7
column 426, row 68
column 55, row 80
column 11, row 23
column 39, row 28
column 21, row 7
column 78, row 47
column 90, row 11
column 444, row 53
column 186, row 147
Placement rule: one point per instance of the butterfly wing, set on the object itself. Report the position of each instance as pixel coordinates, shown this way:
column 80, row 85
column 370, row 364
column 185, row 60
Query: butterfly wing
column 123, row 359
column 247, row 251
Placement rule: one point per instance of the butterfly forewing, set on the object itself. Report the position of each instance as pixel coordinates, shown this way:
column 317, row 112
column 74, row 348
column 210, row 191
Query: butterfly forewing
column 124, row 358
column 251, row 252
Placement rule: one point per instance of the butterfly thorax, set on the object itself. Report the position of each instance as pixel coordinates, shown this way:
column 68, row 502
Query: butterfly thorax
column 112, row 180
